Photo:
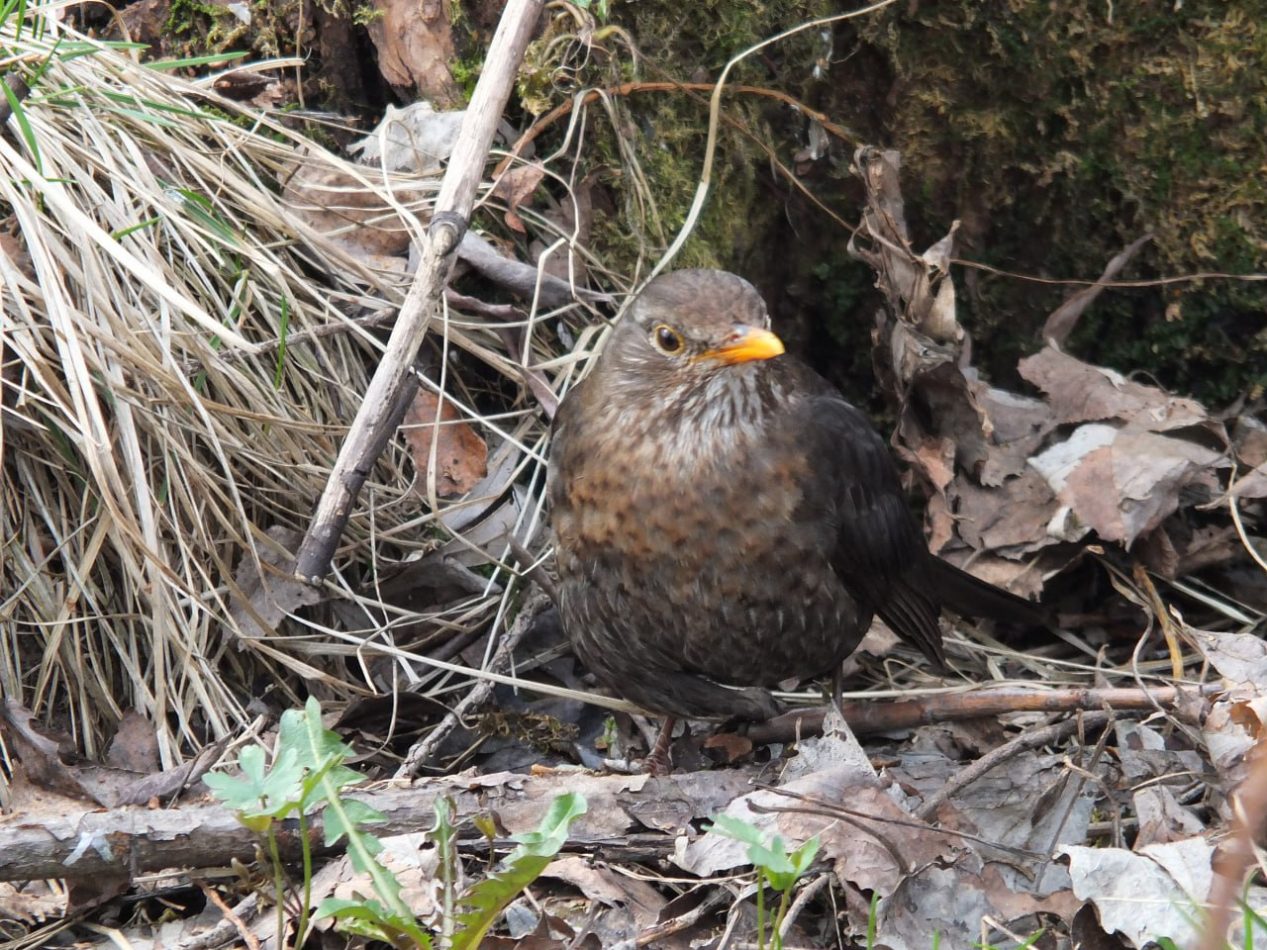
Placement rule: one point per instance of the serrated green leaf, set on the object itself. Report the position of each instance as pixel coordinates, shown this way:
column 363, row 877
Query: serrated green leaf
column 369, row 918
column 484, row 901
column 353, row 813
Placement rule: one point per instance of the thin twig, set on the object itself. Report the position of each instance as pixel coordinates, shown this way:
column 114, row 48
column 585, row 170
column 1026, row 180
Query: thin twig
column 995, row 757
column 422, row 751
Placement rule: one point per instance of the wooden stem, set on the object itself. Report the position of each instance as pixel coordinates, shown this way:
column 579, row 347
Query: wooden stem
column 381, row 409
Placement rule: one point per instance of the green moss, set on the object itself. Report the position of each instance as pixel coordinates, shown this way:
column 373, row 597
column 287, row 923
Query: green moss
column 205, row 27
column 660, row 138
column 1063, row 135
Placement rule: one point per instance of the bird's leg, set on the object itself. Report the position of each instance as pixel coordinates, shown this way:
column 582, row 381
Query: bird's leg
column 658, row 762
column 838, row 689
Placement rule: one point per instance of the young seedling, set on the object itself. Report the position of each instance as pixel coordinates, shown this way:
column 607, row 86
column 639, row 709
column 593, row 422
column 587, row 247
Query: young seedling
column 308, row 773
column 776, row 868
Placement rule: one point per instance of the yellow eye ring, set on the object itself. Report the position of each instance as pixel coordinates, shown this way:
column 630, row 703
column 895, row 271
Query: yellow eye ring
column 667, row 339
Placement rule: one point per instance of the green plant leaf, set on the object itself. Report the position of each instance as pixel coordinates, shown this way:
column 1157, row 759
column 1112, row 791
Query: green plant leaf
column 24, row 126
column 369, row 918
column 485, row 900
column 319, row 750
column 736, row 828
column 781, row 869
column 260, row 792
column 346, row 820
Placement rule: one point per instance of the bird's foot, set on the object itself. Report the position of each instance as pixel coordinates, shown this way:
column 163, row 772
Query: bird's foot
column 659, row 762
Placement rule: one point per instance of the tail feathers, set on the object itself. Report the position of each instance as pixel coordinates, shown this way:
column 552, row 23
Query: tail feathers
column 913, row 617
column 970, row 596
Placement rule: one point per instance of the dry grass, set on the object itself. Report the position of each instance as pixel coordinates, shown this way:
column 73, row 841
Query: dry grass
column 182, row 354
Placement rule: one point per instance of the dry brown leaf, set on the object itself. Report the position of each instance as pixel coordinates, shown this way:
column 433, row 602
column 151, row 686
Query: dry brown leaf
column 135, row 744
column 515, row 188
column 335, row 204
column 1061, row 322
column 412, row 861
column 49, row 769
column 1013, row 516
column 267, row 590
column 1253, row 485
column 1147, row 763
column 413, row 138
column 34, row 903
column 461, row 455
column 1240, row 658
column 1080, row 392
column 1146, row 895
column 728, row 747
column 1123, row 483
column 1018, row 426
column 874, row 851
column 1249, row 436
column 955, row 902
column 600, row 883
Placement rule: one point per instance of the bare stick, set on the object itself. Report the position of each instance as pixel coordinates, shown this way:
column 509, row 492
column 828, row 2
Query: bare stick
column 867, row 717
column 1032, row 739
column 424, row 748
column 381, row 408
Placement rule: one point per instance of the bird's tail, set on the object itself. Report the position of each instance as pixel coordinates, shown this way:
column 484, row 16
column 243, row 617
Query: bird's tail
column 970, row 596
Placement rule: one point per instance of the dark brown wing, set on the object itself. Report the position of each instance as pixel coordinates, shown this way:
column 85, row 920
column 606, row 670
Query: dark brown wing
column 880, row 554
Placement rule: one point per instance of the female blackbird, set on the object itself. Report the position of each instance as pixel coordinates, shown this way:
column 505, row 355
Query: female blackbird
column 724, row 520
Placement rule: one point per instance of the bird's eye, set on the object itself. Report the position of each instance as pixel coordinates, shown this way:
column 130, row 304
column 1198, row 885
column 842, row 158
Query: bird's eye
column 668, row 339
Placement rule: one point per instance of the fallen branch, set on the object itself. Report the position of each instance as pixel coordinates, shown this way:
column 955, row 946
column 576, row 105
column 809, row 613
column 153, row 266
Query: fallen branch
column 868, row 717
column 132, row 840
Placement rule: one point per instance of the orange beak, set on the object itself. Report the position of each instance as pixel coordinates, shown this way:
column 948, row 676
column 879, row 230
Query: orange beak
column 744, row 345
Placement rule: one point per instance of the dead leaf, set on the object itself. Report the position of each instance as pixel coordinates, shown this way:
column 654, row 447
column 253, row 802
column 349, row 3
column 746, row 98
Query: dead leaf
column 415, row 138
column 1249, row 436
column 1253, row 485
column 728, row 747
column 267, row 590
column 135, row 744
column 1018, row 425
column 599, row 882
column 1061, row 322
column 954, row 903
column 515, row 187
column 354, row 216
column 873, row 847
column 1011, row 517
column 1080, row 392
column 461, row 456
column 33, row 903
column 1147, row 763
column 1124, row 482
column 1240, row 658
column 412, row 860
column 50, row 767
column 1147, row 895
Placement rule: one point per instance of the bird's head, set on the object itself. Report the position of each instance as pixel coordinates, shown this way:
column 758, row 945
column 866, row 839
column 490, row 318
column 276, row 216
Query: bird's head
column 687, row 332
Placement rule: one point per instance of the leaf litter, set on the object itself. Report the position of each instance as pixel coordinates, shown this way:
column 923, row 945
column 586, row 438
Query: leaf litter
column 202, row 443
